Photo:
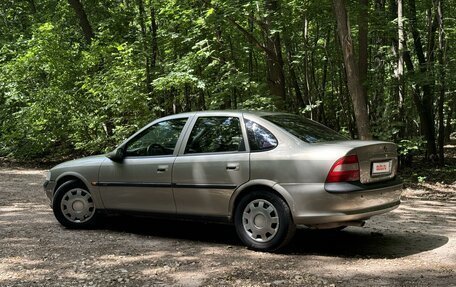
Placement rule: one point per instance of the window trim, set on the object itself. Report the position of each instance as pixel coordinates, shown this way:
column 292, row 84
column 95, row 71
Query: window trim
column 221, row 115
column 262, row 126
column 147, row 127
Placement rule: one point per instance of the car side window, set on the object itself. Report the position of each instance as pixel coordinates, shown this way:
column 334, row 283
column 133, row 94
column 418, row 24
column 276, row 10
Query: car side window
column 159, row 139
column 260, row 139
column 215, row 134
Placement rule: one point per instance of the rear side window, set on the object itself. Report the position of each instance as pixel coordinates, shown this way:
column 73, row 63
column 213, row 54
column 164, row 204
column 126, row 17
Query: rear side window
column 304, row 129
column 215, row 134
column 260, row 139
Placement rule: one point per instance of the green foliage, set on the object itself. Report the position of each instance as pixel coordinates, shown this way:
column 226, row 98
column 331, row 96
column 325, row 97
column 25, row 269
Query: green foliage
column 411, row 146
column 61, row 94
column 31, row 84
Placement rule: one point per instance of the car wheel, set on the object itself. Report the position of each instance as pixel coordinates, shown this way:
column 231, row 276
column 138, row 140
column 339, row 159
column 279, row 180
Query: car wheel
column 73, row 205
column 263, row 221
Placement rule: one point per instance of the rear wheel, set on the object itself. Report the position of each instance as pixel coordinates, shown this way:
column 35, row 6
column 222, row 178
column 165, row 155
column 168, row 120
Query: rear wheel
column 73, row 205
column 263, row 221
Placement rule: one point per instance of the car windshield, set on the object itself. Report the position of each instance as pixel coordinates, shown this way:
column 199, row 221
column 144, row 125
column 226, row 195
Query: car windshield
column 306, row 130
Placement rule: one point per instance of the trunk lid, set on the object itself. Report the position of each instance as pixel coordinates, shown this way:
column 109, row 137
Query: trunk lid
column 377, row 159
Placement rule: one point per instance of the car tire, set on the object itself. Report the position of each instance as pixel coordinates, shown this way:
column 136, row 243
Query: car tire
column 263, row 221
column 73, row 206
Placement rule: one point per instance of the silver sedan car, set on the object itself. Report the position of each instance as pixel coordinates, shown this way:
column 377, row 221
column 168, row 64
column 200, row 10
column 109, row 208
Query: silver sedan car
column 265, row 172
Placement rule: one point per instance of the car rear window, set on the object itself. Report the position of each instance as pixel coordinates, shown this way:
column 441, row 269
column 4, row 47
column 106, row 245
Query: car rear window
column 306, row 130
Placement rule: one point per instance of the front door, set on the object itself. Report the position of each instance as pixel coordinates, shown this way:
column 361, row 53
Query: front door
column 142, row 181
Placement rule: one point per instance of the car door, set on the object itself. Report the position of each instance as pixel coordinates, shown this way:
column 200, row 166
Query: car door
column 142, row 181
column 210, row 167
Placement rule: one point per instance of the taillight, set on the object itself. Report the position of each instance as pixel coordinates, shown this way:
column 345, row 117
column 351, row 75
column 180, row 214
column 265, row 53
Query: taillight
column 344, row 169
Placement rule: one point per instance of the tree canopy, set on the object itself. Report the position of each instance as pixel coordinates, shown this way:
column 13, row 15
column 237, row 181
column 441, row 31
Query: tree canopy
column 80, row 76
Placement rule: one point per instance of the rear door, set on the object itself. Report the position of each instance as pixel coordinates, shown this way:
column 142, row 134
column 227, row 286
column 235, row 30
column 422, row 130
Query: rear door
column 212, row 164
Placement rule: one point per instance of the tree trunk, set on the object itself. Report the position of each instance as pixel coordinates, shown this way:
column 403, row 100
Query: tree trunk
column 363, row 23
column 449, row 118
column 234, row 100
column 83, row 20
column 322, row 94
column 293, row 77
column 424, row 104
column 153, row 29
column 274, row 60
column 142, row 25
column 251, row 15
column 400, row 67
column 441, row 79
column 351, row 68
column 154, row 50
column 305, row 61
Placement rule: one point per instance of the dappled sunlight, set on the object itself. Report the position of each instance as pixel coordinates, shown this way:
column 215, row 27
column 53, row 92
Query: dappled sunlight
column 40, row 172
column 112, row 260
column 189, row 278
column 17, row 213
column 418, row 215
column 19, row 268
column 36, row 250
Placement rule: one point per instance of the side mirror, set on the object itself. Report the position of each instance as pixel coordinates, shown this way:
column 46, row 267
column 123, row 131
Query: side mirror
column 117, row 155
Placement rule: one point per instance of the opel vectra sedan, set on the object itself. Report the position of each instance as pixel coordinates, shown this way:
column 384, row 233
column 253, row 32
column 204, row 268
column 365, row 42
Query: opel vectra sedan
column 265, row 172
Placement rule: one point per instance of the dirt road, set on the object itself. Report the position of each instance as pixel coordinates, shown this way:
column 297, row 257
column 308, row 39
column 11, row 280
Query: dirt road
column 413, row 246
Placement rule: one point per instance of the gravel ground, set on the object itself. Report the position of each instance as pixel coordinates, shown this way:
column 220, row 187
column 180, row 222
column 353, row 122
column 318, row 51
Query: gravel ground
column 415, row 245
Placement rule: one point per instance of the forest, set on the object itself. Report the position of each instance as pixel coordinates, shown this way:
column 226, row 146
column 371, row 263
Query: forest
column 77, row 76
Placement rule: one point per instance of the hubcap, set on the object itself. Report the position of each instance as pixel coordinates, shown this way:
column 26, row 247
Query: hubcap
column 260, row 220
column 77, row 205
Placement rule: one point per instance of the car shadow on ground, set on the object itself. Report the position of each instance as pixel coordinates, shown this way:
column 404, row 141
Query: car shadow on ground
column 356, row 242
column 173, row 229
column 353, row 242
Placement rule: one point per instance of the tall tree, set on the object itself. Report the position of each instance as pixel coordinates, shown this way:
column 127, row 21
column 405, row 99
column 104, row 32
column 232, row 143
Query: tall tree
column 144, row 36
column 363, row 24
column 274, row 60
column 441, row 54
column 424, row 101
column 400, row 65
column 353, row 80
column 153, row 31
column 83, row 20
column 271, row 55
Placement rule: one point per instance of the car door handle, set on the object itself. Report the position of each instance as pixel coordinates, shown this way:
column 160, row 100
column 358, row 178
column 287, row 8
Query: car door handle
column 162, row 168
column 232, row 166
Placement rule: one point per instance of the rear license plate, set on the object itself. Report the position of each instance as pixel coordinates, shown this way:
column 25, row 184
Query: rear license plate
column 381, row 168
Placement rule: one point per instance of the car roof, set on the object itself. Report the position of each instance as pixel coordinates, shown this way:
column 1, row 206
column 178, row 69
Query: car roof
column 215, row 112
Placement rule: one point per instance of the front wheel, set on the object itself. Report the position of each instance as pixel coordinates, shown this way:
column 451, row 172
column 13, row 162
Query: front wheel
column 263, row 221
column 73, row 205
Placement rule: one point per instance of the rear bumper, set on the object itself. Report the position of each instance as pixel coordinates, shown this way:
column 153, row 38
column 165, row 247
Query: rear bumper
column 354, row 215
column 315, row 204
column 339, row 187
